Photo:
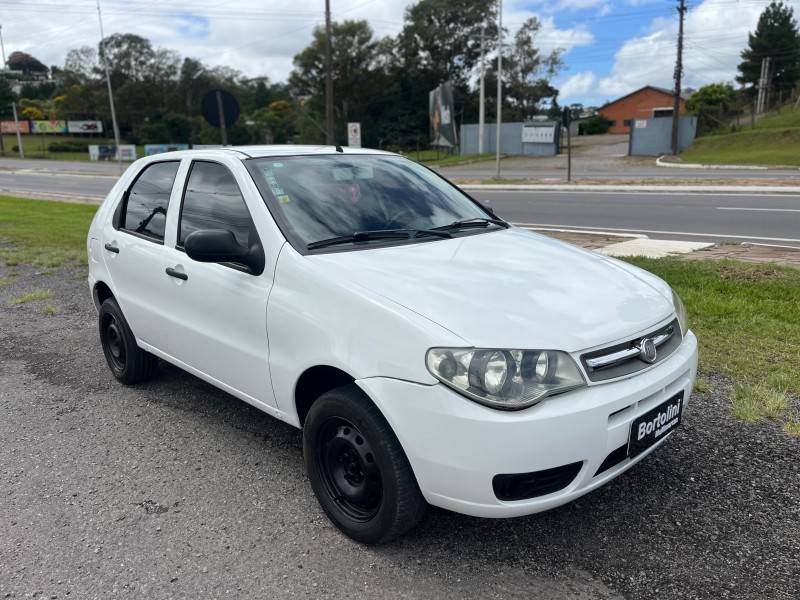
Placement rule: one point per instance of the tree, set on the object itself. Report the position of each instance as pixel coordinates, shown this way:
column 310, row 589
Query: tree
column 713, row 104
column 129, row 56
column 81, row 63
column 279, row 119
column 6, row 98
column 354, row 71
column 777, row 37
column 442, row 38
column 22, row 61
column 528, row 72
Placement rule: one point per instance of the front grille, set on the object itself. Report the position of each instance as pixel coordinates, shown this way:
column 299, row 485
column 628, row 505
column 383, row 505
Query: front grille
column 522, row 486
column 625, row 358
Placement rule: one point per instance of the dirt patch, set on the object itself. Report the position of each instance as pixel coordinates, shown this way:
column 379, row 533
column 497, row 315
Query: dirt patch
column 752, row 253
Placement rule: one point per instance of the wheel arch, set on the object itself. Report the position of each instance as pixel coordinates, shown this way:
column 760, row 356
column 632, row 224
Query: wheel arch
column 100, row 293
column 313, row 383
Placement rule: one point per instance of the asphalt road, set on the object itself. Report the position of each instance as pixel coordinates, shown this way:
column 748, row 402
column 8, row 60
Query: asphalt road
column 770, row 219
column 174, row 489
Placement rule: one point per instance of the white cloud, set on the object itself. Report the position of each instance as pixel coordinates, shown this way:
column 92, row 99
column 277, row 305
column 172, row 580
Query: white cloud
column 715, row 34
column 256, row 37
column 577, row 85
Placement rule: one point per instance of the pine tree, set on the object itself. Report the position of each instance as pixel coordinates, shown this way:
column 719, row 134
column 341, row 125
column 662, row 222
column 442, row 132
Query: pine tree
column 776, row 37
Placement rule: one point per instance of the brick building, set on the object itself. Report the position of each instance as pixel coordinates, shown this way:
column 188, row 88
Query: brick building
column 644, row 103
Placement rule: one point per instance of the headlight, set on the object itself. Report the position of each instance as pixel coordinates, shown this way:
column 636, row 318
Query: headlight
column 680, row 311
column 505, row 379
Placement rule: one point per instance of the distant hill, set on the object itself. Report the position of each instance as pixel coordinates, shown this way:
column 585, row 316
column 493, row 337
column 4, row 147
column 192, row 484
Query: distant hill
column 775, row 140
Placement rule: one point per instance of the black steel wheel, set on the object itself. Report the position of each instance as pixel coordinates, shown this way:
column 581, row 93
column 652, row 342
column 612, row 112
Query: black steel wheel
column 129, row 363
column 358, row 469
column 348, row 469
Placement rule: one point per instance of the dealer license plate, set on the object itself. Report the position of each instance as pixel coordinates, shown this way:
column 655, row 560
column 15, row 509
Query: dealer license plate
column 653, row 425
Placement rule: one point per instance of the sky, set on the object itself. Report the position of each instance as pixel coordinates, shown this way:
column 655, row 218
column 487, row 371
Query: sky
column 611, row 47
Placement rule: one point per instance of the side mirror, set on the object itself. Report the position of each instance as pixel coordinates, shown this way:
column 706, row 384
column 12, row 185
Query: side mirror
column 220, row 246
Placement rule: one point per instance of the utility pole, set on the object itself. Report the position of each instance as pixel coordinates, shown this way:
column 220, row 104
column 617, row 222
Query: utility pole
column 499, row 85
column 329, row 139
column 482, row 104
column 2, row 50
column 762, row 104
column 676, row 105
column 110, row 93
column 16, row 126
column 2, row 68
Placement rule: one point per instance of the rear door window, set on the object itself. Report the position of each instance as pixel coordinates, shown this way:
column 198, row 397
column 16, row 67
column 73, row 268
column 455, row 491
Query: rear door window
column 145, row 212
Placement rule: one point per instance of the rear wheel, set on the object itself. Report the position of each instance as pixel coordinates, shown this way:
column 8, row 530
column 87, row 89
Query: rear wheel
column 358, row 469
column 129, row 363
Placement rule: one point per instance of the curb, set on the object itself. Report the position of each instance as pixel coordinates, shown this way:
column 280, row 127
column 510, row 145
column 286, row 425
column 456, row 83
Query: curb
column 661, row 163
column 650, row 189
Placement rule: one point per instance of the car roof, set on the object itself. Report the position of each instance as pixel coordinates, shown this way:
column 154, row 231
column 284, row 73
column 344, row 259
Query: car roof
column 273, row 150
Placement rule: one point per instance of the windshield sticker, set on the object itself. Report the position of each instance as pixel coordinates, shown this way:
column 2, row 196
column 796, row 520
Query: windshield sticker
column 273, row 184
column 284, row 199
column 277, row 165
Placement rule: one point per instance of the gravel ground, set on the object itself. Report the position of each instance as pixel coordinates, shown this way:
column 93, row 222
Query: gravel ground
column 174, row 489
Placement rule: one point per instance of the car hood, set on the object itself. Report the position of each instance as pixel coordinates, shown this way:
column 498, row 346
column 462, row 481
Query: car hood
column 510, row 289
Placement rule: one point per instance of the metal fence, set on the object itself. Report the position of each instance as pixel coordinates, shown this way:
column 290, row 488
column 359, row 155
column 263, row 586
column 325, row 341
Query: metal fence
column 510, row 140
column 653, row 137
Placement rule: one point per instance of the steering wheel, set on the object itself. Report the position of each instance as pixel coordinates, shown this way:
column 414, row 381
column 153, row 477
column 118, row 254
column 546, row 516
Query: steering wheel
column 395, row 218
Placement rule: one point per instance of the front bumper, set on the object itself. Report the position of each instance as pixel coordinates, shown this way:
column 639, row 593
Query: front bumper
column 456, row 446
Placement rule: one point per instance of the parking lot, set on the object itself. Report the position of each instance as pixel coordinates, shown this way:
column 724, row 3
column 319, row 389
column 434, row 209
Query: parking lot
column 176, row 490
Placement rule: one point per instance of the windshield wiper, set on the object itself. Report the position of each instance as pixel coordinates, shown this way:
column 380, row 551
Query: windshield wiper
column 380, row 234
column 476, row 222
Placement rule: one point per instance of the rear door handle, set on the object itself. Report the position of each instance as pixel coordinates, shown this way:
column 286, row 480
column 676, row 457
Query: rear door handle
column 112, row 248
column 177, row 274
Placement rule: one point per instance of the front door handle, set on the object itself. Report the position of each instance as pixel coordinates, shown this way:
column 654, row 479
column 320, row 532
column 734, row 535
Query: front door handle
column 177, row 274
column 112, row 248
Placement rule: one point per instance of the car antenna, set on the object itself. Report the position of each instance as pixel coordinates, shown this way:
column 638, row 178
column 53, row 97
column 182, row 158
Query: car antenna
column 339, row 148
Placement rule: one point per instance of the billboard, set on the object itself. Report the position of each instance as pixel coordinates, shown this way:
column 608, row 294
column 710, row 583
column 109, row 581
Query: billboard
column 85, row 126
column 10, row 127
column 49, row 126
column 150, row 149
column 442, row 116
column 108, row 152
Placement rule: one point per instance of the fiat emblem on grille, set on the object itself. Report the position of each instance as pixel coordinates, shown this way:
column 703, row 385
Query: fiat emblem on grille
column 647, row 350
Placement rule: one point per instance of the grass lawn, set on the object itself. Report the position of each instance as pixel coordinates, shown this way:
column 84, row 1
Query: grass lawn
column 35, row 146
column 43, row 233
column 746, row 316
column 747, row 320
column 775, row 140
column 432, row 159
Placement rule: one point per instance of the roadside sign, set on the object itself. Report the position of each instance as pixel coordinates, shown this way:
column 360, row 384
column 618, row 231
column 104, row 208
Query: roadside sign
column 109, row 152
column 354, row 135
column 538, row 134
column 49, row 126
column 85, row 126
column 219, row 103
column 150, row 149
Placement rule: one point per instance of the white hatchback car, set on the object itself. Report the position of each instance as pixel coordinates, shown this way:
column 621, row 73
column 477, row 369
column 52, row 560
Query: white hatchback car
column 431, row 352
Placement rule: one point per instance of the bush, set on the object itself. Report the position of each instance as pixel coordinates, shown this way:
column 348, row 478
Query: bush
column 596, row 125
column 68, row 146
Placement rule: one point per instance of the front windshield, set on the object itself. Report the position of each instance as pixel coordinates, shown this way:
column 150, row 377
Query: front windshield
column 323, row 197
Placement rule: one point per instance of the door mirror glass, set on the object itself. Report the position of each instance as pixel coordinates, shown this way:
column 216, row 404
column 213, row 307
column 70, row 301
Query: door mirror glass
column 220, row 246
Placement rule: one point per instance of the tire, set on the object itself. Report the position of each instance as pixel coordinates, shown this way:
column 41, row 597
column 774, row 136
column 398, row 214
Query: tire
column 129, row 363
column 358, row 469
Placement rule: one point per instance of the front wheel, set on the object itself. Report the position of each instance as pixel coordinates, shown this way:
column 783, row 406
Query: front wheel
column 358, row 469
